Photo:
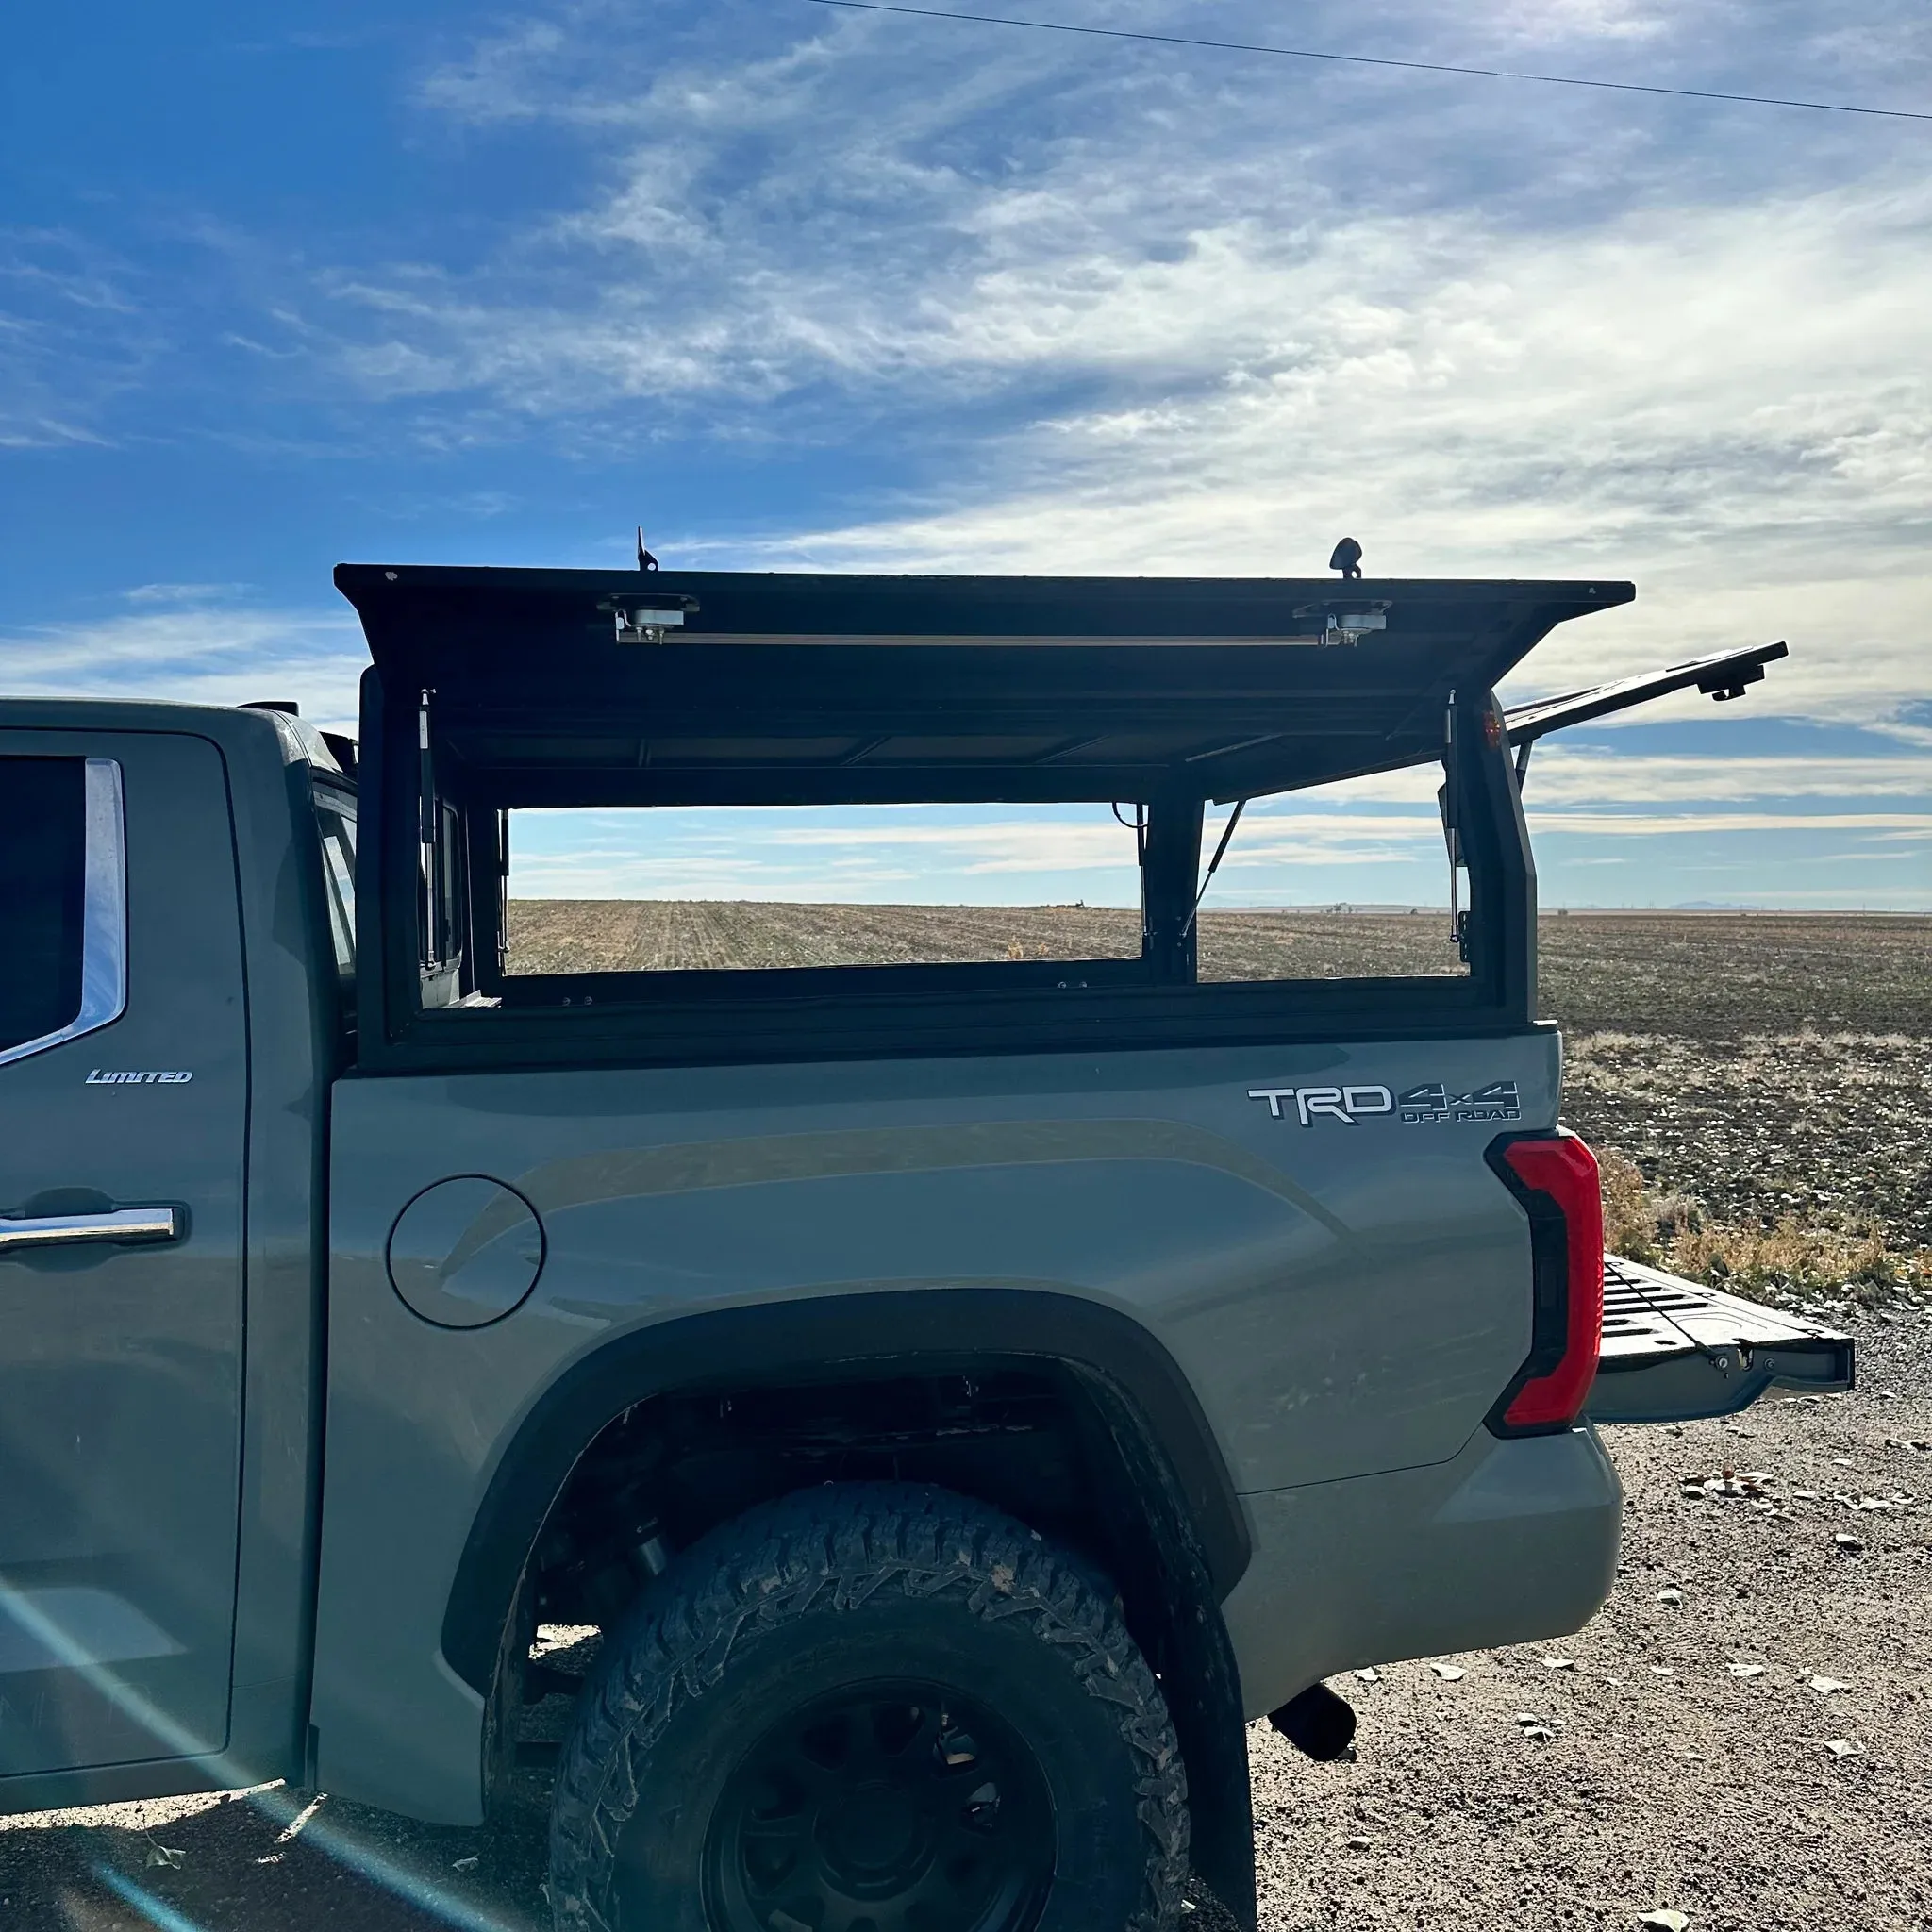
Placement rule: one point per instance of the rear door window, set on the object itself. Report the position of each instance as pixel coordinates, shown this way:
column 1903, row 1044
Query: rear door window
column 61, row 899
column 336, row 820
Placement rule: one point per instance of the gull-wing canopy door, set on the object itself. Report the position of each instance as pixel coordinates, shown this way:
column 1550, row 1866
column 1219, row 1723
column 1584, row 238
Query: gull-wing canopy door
column 827, row 687
column 1722, row 676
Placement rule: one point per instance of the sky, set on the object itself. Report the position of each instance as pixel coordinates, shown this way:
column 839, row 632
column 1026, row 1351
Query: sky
column 798, row 287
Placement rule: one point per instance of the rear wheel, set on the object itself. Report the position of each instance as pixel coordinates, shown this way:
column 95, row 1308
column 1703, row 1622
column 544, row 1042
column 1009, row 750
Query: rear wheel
column 871, row 1708
column 904, row 1798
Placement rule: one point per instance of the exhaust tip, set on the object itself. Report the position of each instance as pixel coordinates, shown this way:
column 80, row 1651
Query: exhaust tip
column 1318, row 1723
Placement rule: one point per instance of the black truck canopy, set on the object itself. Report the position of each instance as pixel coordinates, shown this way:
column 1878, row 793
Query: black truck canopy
column 627, row 686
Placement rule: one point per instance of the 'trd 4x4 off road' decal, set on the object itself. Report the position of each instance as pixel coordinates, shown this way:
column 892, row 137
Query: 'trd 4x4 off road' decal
column 1424, row 1106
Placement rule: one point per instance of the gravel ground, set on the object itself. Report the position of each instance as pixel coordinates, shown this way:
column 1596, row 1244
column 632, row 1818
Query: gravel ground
column 1646, row 1773
column 1688, row 1761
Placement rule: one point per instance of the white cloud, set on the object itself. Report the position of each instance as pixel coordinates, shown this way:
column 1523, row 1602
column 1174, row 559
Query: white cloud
column 933, row 855
column 1146, row 321
column 1541, row 20
column 877, row 203
column 1355, row 841
column 73, row 339
column 1560, row 775
column 182, row 593
column 1666, row 399
column 215, row 654
column 893, row 852
column 1900, row 824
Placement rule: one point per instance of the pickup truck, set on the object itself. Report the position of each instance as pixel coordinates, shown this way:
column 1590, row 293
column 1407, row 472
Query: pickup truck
column 962, row 1391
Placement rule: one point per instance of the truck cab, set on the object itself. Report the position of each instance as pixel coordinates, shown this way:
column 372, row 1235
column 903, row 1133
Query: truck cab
column 171, row 1013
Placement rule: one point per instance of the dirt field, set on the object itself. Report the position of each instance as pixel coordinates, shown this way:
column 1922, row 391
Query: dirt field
column 1698, row 976
column 661, row 935
column 1745, row 1734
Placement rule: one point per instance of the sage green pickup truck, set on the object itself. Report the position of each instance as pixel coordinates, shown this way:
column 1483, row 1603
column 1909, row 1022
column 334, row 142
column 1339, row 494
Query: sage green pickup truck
column 961, row 1387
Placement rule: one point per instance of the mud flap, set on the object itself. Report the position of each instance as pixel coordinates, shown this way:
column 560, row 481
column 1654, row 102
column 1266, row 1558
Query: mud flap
column 1173, row 1604
column 1674, row 1351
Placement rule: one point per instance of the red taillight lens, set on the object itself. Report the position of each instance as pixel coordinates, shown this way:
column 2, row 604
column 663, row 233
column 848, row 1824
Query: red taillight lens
column 1554, row 1176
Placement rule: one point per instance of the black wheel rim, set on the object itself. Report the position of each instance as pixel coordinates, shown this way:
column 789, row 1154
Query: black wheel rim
column 901, row 1807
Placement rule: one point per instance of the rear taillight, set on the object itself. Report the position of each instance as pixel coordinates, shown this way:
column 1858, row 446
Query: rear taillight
column 1555, row 1177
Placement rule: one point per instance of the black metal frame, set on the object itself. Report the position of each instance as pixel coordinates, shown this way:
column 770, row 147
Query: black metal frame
column 870, row 1012
column 1123, row 693
column 1723, row 677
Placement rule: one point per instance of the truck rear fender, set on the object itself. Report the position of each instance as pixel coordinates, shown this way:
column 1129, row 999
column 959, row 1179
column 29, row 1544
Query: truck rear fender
column 1165, row 1506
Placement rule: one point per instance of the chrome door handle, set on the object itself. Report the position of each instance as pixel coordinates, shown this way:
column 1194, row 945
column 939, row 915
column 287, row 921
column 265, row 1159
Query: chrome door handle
column 117, row 1224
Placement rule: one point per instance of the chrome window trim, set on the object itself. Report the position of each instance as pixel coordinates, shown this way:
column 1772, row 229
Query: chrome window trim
column 104, row 915
column 338, row 873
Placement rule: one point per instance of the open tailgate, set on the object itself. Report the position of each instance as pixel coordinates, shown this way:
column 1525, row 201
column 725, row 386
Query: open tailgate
column 1674, row 1351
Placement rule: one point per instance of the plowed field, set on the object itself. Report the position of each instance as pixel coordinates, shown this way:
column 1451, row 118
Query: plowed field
column 1700, row 976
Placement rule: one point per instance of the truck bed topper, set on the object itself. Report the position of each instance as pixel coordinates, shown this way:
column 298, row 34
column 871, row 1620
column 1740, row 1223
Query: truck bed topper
column 856, row 686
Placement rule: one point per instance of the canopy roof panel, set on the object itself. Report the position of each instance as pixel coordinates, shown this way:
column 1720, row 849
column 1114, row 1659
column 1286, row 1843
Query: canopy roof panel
column 607, row 686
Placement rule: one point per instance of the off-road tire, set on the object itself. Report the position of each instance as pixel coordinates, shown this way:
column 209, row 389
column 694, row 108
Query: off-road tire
column 843, row 1585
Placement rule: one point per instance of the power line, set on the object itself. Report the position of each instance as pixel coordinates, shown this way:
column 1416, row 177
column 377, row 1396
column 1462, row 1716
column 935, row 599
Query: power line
column 1620, row 86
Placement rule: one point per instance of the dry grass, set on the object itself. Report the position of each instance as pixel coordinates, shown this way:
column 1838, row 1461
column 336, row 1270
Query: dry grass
column 1795, row 1167
column 1793, row 1263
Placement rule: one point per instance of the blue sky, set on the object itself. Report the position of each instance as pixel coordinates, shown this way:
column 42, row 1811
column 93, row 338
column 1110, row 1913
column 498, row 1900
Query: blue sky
column 800, row 288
